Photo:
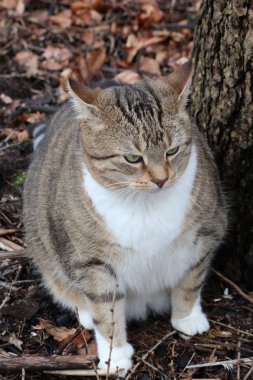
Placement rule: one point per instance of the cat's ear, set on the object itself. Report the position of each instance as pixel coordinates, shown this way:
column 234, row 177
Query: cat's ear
column 84, row 99
column 180, row 80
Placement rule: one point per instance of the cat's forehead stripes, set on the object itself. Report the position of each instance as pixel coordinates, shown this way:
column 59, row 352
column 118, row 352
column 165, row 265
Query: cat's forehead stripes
column 142, row 110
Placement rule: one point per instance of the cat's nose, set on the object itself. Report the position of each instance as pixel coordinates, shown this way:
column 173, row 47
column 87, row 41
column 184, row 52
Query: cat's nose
column 160, row 181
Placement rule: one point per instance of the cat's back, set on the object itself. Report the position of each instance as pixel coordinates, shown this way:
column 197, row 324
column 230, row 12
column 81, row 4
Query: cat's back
column 48, row 169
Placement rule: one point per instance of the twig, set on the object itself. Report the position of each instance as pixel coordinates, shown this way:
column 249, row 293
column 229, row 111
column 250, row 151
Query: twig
column 111, row 337
column 238, row 359
column 189, row 361
column 10, row 231
column 13, row 254
column 7, row 286
column 234, row 286
column 144, row 357
column 164, row 376
column 81, row 372
column 248, row 374
column 226, row 363
column 231, row 327
column 7, row 299
column 35, row 363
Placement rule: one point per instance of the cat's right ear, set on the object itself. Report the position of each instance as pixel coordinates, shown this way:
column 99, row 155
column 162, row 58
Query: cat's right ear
column 84, row 99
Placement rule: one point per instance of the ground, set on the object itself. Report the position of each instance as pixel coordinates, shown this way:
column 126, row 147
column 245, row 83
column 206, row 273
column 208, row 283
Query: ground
column 43, row 43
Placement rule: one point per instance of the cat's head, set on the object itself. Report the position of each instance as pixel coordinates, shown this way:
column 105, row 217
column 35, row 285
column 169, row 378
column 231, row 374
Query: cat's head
column 136, row 136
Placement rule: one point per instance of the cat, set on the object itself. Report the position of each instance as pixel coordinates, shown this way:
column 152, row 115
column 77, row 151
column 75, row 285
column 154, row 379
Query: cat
column 124, row 210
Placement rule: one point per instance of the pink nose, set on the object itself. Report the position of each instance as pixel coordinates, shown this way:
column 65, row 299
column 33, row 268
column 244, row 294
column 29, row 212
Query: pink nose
column 160, row 181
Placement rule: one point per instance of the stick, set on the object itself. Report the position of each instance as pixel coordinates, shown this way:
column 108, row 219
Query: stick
column 225, row 363
column 248, row 374
column 13, row 254
column 4, row 232
column 230, row 327
column 35, row 363
column 144, row 357
column 7, row 286
column 81, row 372
column 234, row 286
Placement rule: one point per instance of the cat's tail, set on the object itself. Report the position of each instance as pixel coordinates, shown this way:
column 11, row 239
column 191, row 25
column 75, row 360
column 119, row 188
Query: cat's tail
column 37, row 132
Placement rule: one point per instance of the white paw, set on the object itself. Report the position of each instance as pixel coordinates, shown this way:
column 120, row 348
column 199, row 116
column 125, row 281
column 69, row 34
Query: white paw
column 194, row 323
column 85, row 319
column 191, row 325
column 120, row 360
column 120, row 357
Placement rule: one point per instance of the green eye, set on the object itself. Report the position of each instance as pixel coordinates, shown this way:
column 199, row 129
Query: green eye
column 172, row 151
column 133, row 158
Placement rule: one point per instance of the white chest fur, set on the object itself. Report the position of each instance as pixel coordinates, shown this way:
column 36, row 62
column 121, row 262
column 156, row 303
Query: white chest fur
column 147, row 223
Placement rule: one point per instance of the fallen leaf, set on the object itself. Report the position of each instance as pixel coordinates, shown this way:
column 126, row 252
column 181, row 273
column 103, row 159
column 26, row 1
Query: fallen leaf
column 78, row 338
column 28, row 60
column 9, row 4
column 6, row 99
column 12, row 339
column 150, row 14
column 14, row 5
column 34, row 117
column 78, row 5
column 20, row 7
column 62, row 19
column 56, row 58
column 59, row 333
column 91, row 349
column 39, row 16
column 86, row 17
column 6, row 132
column 149, row 65
column 127, row 76
column 15, row 341
column 134, row 44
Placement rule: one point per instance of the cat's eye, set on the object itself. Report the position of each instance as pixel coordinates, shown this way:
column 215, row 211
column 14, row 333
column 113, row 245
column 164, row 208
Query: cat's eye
column 133, row 158
column 172, row 151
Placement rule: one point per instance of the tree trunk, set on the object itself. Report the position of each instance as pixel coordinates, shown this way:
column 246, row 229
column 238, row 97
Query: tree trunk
column 223, row 109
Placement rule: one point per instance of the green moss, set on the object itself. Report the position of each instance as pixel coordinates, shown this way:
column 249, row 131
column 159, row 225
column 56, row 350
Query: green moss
column 19, row 180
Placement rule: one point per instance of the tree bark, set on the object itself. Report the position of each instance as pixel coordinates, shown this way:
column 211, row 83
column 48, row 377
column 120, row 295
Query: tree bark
column 223, row 109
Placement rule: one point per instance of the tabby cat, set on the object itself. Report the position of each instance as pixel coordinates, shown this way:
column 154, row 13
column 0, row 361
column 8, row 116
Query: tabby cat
column 123, row 209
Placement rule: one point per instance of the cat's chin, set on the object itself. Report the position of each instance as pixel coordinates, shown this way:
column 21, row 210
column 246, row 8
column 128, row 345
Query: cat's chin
column 152, row 190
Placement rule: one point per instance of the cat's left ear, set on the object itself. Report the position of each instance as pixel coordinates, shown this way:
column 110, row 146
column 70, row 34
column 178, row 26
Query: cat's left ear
column 180, row 80
column 84, row 99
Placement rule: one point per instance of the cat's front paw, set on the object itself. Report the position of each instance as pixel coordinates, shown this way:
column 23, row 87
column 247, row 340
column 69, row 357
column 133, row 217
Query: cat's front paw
column 120, row 360
column 191, row 325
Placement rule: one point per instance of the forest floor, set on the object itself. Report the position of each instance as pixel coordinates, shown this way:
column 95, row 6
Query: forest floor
column 42, row 43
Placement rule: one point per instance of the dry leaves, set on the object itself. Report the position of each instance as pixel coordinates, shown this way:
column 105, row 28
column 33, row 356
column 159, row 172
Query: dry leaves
column 134, row 44
column 28, row 61
column 79, row 339
column 127, row 76
column 62, row 19
column 55, row 58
